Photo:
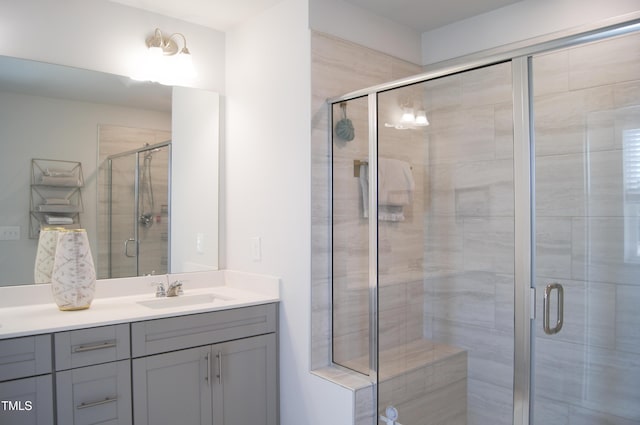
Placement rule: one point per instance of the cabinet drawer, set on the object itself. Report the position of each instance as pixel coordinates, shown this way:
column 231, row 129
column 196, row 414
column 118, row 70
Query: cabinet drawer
column 31, row 401
column 95, row 394
column 175, row 333
column 91, row 346
column 25, row 356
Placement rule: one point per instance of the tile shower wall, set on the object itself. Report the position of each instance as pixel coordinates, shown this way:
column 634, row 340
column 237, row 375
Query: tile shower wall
column 586, row 218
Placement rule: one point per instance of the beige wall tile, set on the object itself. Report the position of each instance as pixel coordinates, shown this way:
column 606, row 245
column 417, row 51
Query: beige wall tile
column 627, row 323
column 553, row 247
column 489, row 244
column 489, row 404
column 487, row 86
column 605, row 62
column 560, row 119
column 550, row 73
column 598, row 251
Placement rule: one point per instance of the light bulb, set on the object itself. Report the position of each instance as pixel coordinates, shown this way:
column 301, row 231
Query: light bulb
column 421, row 118
column 184, row 65
column 155, row 52
column 408, row 116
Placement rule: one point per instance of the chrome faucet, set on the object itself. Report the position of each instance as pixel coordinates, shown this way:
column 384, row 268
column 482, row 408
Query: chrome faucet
column 175, row 289
column 160, row 291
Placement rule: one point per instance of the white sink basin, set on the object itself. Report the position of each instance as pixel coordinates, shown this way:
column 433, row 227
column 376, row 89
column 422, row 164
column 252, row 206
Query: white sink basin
column 183, row 300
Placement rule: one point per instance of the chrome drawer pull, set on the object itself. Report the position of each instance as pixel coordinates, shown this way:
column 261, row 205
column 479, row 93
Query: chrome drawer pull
column 100, row 346
column 96, row 403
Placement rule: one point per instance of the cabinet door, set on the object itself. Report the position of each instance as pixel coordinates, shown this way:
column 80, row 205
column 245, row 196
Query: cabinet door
column 95, row 394
column 173, row 388
column 25, row 356
column 245, row 383
column 27, row 401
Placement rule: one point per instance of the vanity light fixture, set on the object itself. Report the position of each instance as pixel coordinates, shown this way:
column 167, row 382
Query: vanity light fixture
column 165, row 61
column 410, row 119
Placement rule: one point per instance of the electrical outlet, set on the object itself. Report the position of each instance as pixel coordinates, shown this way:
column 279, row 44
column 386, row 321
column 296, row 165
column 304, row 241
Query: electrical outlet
column 9, row 233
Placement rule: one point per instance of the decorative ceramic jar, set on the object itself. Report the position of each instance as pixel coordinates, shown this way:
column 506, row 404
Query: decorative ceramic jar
column 45, row 254
column 73, row 279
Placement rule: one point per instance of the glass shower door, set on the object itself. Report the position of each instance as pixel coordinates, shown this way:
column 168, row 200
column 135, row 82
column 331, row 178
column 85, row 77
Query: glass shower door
column 446, row 251
column 586, row 338
column 122, row 209
column 139, row 212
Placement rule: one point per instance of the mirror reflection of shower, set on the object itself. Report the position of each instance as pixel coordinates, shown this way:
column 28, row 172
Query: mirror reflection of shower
column 138, row 204
column 147, row 205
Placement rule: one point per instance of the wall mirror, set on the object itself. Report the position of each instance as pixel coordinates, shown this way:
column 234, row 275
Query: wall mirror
column 57, row 112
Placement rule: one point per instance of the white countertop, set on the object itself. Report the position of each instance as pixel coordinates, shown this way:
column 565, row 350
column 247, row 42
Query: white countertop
column 30, row 310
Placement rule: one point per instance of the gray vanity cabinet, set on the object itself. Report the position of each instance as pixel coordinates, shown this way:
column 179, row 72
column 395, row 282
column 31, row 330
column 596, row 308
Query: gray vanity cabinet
column 231, row 381
column 214, row 368
column 93, row 376
column 26, row 384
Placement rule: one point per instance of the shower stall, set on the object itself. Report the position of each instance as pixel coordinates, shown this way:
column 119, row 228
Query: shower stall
column 138, row 211
column 486, row 237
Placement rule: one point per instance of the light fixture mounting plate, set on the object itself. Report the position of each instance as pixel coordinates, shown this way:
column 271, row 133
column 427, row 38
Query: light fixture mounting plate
column 169, row 46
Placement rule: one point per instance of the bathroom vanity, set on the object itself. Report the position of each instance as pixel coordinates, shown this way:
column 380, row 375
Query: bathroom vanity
column 209, row 357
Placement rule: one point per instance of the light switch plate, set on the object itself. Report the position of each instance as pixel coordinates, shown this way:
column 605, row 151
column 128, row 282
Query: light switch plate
column 200, row 243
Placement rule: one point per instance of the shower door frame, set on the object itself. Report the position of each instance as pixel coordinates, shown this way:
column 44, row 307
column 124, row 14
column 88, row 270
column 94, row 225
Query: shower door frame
column 519, row 54
column 136, row 195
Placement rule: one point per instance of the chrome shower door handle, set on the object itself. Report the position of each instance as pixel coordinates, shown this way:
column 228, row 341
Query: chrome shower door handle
column 126, row 248
column 546, row 304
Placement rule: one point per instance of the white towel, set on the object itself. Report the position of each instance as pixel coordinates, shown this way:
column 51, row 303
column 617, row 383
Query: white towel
column 58, row 208
column 395, row 182
column 57, row 201
column 395, row 189
column 55, row 219
column 60, row 181
column 56, row 172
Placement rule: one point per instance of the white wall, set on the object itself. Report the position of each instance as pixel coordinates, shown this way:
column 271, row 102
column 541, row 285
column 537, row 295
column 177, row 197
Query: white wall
column 517, row 22
column 102, row 36
column 267, row 191
column 350, row 22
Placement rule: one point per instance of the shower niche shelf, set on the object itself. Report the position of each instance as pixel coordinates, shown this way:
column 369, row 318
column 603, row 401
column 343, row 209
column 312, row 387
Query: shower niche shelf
column 56, row 195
